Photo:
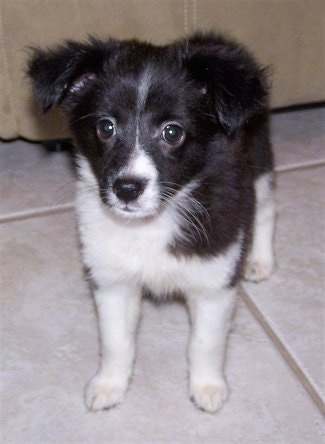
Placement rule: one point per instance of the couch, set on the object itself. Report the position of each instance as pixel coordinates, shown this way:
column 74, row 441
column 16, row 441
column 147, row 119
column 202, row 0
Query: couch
column 288, row 35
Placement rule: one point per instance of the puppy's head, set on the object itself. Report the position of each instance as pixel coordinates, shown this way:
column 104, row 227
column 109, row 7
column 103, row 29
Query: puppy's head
column 150, row 120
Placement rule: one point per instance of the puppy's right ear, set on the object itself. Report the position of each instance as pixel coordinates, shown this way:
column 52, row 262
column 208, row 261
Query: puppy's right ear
column 235, row 84
column 65, row 70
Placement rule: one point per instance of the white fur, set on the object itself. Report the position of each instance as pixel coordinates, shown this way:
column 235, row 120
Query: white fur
column 126, row 255
column 118, row 309
column 210, row 315
column 143, row 89
column 260, row 262
column 121, row 250
column 141, row 167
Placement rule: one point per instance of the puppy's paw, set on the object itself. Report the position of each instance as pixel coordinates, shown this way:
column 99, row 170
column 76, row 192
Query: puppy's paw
column 102, row 393
column 257, row 270
column 209, row 397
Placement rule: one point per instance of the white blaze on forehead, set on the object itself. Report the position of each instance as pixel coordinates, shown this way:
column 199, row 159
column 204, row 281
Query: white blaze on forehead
column 141, row 166
column 143, row 88
column 142, row 94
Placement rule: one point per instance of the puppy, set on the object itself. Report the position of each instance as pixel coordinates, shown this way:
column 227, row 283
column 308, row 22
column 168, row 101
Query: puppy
column 174, row 191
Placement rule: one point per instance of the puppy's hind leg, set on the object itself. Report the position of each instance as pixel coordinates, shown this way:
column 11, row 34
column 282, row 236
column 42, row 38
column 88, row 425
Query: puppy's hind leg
column 118, row 308
column 260, row 260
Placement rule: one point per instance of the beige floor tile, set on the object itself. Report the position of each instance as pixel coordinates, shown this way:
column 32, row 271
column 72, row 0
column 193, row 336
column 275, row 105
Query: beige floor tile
column 49, row 347
column 293, row 299
column 298, row 137
column 31, row 177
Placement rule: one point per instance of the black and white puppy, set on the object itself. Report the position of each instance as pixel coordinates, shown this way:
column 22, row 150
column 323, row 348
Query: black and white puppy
column 174, row 191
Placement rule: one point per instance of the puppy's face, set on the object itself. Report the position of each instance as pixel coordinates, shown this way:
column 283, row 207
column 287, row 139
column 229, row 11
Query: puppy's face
column 149, row 120
column 140, row 129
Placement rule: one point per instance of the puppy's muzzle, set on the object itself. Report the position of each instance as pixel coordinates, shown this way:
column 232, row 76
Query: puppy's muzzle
column 129, row 189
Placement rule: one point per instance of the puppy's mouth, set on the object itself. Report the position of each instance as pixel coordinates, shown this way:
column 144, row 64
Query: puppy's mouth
column 128, row 212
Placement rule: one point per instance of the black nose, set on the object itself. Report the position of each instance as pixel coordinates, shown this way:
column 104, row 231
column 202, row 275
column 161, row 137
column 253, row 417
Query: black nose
column 128, row 189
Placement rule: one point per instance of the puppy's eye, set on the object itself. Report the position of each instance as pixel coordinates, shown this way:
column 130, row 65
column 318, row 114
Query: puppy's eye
column 173, row 134
column 105, row 129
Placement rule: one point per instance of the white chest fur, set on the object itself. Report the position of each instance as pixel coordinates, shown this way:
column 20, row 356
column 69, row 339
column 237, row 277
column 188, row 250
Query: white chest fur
column 118, row 250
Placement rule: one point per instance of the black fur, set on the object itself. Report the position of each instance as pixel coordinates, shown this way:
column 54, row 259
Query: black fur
column 211, row 85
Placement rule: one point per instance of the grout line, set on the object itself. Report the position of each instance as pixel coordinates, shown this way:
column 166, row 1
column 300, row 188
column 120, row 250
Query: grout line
column 37, row 212
column 300, row 166
column 288, row 356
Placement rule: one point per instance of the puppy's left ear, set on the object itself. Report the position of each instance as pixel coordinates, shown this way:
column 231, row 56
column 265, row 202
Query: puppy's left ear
column 61, row 72
column 236, row 85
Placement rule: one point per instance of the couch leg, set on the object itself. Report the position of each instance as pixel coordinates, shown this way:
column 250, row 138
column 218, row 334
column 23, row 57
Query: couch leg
column 58, row 145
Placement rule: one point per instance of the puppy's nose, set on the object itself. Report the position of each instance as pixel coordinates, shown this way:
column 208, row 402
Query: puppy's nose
column 128, row 189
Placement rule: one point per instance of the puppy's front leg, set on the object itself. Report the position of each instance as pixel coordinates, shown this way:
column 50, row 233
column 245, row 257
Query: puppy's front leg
column 210, row 314
column 118, row 310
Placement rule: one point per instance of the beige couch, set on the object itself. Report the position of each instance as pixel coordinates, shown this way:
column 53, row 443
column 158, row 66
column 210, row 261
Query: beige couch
column 287, row 34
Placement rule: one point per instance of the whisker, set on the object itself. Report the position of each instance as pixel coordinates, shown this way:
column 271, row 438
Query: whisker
column 197, row 205
column 65, row 192
column 193, row 221
column 188, row 214
column 96, row 114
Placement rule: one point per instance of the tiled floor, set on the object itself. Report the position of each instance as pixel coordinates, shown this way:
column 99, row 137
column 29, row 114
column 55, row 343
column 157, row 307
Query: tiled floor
column 49, row 347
